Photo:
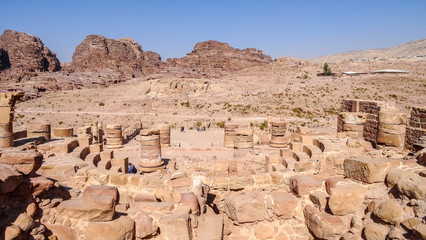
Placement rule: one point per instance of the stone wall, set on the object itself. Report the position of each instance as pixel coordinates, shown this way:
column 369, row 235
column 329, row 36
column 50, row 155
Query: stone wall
column 416, row 127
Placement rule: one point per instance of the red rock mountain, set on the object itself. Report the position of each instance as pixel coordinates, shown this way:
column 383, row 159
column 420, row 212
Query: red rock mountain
column 123, row 55
column 213, row 59
column 26, row 53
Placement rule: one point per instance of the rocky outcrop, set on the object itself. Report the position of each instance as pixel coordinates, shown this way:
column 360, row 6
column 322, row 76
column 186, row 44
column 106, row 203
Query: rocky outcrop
column 214, row 59
column 26, row 53
column 123, row 55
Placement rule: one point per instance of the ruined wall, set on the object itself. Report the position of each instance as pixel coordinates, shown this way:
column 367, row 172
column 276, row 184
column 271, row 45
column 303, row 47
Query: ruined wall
column 416, row 127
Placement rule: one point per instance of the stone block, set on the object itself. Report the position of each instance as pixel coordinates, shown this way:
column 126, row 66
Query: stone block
column 145, row 226
column 10, row 178
column 96, row 148
column 26, row 162
column 303, row 185
column 245, row 208
column 122, row 163
column 282, row 204
column 150, row 207
column 107, row 155
column 320, row 199
column 176, row 227
column 347, row 198
column 211, row 227
column 375, row 231
column 239, row 183
column 413, row 187
column 324, row 225
column 121, row 228
column 104, row 197
column 368, row 170
column 77, row 209
column 389, row 211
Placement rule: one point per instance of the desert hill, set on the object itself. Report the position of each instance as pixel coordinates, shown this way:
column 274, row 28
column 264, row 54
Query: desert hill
column 411, row 50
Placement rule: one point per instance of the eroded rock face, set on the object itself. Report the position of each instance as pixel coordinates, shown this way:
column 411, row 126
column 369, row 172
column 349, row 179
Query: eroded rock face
column 25, row 52
column 123, row 55
column 213, row 58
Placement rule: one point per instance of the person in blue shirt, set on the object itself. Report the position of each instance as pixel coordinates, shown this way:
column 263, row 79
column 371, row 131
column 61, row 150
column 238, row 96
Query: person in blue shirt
column 132, row 169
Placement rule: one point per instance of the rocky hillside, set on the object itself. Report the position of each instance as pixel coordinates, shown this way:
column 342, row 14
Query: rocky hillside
column 214, row 59
column 124, row 55
column 26, row 53
column 411, row 50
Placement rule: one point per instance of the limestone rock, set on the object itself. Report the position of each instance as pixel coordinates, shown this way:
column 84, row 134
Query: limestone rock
column 75, row 208
column 413, row 187
column 347, row 198
column 211, row 227
column 245, row 208
column 389, row 211
column 324, row 225
column 303, row 185
column 27, row 53
column 368, row 170
column 395, row 175
column 320, row 199
column 121, row 228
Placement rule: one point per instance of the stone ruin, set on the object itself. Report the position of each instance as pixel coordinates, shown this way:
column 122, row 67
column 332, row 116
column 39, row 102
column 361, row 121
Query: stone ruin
column 368, row 181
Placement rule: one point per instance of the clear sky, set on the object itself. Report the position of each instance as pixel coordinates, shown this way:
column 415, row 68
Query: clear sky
column 171, row 28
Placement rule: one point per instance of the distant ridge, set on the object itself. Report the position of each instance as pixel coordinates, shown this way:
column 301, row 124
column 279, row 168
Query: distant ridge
column 410, row 50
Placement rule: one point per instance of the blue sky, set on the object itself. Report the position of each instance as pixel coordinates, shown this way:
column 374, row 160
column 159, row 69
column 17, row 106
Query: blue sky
column 171, row 28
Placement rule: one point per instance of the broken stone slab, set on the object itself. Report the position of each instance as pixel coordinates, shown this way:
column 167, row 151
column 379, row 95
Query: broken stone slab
column 389, row 211
column 395, row 174
column 238, row 183
column 413, row 187
column 245, row 208
column 77, row 209
column 303, row 185
column 103, row 197
column 144, row 225
column 150, row 207
column 347, row 198
column 176, row 227
column 10, row 178
column 26, row 162
column 324, row 225
column 375, row 231
column 368, row 170
column 211, row 227
column 121, row 228
column 281, row 204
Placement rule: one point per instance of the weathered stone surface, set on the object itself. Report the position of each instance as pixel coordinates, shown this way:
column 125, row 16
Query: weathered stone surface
column 303, row 185
column 121, row 228
column 144, row 226
column 347, row 198
column 24, row 222
column 264, row 232
column 75, row 208
column 176, row 227
column 123, row 55
column 10, row 178
column 320, row 199
column 245, row 208
column 160, row 207
column 102, row 197
column 413, row 187
column 368, row 170
column 213, row 58
column 190, row 199
column 26, row 162
column 62, row 232
column 27, row 53
column 324, row 225
column 12, row 232
column 374, row 231
column 238, row 183
column 41, row 185
column 420, row 231
column 282, row 204
column 211, row 227
column 389, row 211
column 395, row 174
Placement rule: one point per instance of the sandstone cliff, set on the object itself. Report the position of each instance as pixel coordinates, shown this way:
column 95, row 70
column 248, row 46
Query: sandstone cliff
column 123, row 55
column 26, row 53
column 214, row 59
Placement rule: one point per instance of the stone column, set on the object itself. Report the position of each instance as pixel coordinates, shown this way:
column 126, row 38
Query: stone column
column 7, row 105
column 150, row 151
column 229, row 129
column 114, row 138
column 164, row 135
column 278, row 139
